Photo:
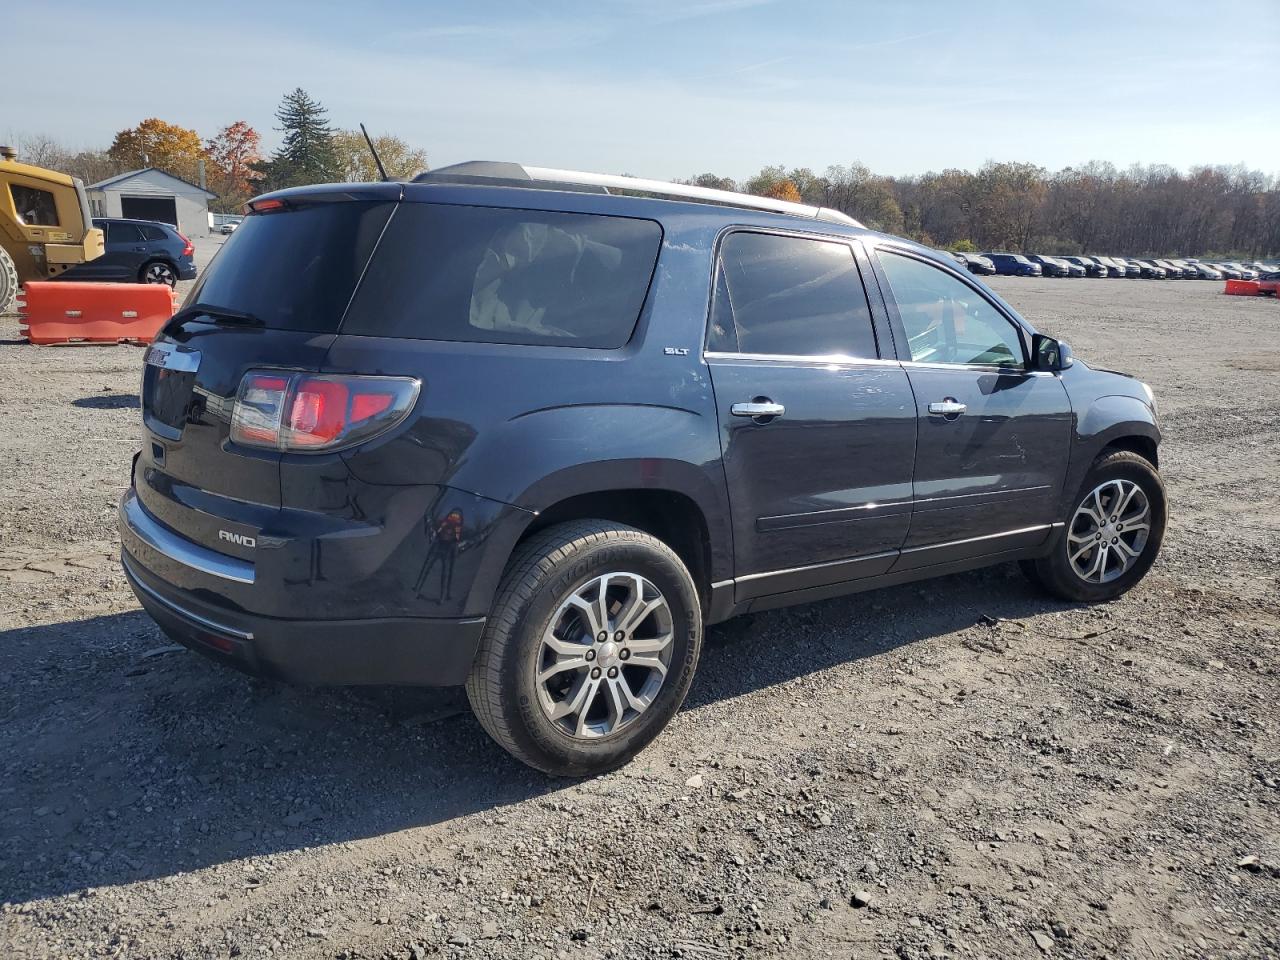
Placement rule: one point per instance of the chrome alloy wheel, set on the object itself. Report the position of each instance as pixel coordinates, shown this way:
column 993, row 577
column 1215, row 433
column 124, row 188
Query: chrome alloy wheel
column 605, row 655
column 1109, row 531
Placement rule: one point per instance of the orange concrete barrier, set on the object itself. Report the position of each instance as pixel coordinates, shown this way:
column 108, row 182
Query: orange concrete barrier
column 55, row 312
column 1243, row 288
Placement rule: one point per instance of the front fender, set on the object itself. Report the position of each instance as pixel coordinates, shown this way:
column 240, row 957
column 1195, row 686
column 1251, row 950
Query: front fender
column 1105, row 421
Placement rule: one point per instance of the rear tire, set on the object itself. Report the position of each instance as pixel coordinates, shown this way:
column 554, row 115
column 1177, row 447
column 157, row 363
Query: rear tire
column 158, row 271
column 1113, row 533
column 564, row 633
column 9, row 285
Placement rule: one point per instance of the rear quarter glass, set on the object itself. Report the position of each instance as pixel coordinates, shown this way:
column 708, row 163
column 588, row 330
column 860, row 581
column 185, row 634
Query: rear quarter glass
column 501, row 275
column 295, row 269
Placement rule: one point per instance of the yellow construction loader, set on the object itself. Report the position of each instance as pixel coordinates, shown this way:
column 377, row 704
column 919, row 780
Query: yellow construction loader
column 45, row 225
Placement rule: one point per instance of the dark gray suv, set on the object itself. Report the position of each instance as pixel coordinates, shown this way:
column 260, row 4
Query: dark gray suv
column 532, row 430
column 138, row 251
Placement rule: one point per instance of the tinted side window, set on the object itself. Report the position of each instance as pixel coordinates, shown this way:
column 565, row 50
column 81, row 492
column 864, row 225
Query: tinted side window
column 153, row 233
column 495, row 275
column 123, row 233
column 947, row 321
column 790, row 296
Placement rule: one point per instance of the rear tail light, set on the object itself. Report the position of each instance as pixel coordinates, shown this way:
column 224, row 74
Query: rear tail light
column 299, row 412
column 188, row 248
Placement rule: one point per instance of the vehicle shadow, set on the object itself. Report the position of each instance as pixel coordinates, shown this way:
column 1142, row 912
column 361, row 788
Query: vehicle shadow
column 130, row 759
column 109, row 401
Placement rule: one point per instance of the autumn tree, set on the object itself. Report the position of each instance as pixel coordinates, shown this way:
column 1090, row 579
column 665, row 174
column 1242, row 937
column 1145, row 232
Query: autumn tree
column 232, row 153
column 306, row 153
column 784, row 190
column 155, row 143
column 765, row 180
column 355, row 163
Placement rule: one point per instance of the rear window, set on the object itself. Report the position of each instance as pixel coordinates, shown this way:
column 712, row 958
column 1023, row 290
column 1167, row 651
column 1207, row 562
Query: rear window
column 296, row 269
column 497, row 275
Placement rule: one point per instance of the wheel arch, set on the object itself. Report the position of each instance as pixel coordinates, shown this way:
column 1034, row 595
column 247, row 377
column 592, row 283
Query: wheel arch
column 671, row 500
column 1110, row 423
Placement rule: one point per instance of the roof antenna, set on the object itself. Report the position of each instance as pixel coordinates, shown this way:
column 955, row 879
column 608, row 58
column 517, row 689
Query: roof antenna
column 376, row 159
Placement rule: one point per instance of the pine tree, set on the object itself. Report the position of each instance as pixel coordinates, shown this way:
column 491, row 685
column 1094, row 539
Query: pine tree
column 306, row 154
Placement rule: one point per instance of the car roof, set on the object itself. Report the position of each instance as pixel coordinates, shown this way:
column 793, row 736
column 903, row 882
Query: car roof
column 156, row 223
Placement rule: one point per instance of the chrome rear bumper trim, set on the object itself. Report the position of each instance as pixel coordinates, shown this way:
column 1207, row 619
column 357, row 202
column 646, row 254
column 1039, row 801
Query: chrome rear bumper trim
column 177, row 610
column 164, row 541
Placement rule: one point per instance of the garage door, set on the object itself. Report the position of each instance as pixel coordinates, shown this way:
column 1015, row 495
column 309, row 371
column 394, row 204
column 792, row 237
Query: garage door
column 164, row 209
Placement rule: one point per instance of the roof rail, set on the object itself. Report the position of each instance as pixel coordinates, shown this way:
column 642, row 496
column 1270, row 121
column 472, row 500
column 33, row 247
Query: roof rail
column 497, row 173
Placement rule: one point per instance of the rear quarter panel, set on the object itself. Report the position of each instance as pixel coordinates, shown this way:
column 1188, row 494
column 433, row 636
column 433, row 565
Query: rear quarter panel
column 531, row 426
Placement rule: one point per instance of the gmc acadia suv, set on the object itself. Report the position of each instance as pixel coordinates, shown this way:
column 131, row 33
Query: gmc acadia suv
column 531, row 431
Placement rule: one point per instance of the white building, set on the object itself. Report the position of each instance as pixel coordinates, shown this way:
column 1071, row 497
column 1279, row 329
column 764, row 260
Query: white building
column 152, row 194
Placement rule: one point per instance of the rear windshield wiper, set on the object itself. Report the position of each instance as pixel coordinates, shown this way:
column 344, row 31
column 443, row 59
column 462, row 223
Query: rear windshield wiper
column 224, row 314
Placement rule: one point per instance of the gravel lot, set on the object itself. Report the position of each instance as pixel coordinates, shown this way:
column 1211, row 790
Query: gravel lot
column 959, row 768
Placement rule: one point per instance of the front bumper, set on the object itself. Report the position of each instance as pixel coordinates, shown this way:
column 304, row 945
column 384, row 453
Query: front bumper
column 416, row 651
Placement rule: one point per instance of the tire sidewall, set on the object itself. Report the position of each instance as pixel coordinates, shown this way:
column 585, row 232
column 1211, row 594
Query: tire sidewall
column 519, row 692
column 1138, row 471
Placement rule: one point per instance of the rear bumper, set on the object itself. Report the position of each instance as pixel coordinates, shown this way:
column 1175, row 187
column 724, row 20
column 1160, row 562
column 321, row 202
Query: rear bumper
column 186, row 270
column 400, row 651
column 199, row 613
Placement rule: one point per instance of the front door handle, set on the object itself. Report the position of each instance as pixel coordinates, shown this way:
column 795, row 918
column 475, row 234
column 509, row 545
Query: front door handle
column 948, row 408
column 761, row 409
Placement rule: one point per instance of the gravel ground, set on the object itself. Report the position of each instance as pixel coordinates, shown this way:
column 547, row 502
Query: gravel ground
column 953, row 769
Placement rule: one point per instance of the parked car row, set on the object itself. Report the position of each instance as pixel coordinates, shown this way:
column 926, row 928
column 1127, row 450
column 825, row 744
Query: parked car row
column 1037, row 265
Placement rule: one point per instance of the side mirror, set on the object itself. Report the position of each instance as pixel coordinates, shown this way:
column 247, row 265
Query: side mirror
column 1051, row 354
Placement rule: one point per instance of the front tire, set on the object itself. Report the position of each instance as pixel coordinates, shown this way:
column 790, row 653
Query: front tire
column 589, row 650
column 1113, row 534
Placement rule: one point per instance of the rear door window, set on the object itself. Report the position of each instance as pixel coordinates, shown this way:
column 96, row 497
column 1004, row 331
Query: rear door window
column 152, row 233
column 498, row 275
column 123, row 233
column 789, row 296
column 295, row 269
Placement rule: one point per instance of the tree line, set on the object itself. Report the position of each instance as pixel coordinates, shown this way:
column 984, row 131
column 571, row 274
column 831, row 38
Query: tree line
column 311, row 151
column 1153, row 210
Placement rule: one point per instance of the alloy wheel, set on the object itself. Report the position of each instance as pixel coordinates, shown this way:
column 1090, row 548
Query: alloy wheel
column 605, row 655
column 1109, row 531
column 160, row 273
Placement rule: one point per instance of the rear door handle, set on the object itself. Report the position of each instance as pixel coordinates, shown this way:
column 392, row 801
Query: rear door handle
column 948, row 408
column 760, row 407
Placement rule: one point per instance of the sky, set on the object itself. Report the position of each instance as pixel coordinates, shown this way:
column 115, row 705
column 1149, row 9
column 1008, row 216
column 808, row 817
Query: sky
column 674, row 88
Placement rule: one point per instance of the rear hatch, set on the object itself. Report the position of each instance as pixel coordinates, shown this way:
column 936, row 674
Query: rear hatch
column 274, row 296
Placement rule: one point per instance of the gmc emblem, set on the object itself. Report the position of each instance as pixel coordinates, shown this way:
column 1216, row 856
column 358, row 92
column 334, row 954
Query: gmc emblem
column 239, row 539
